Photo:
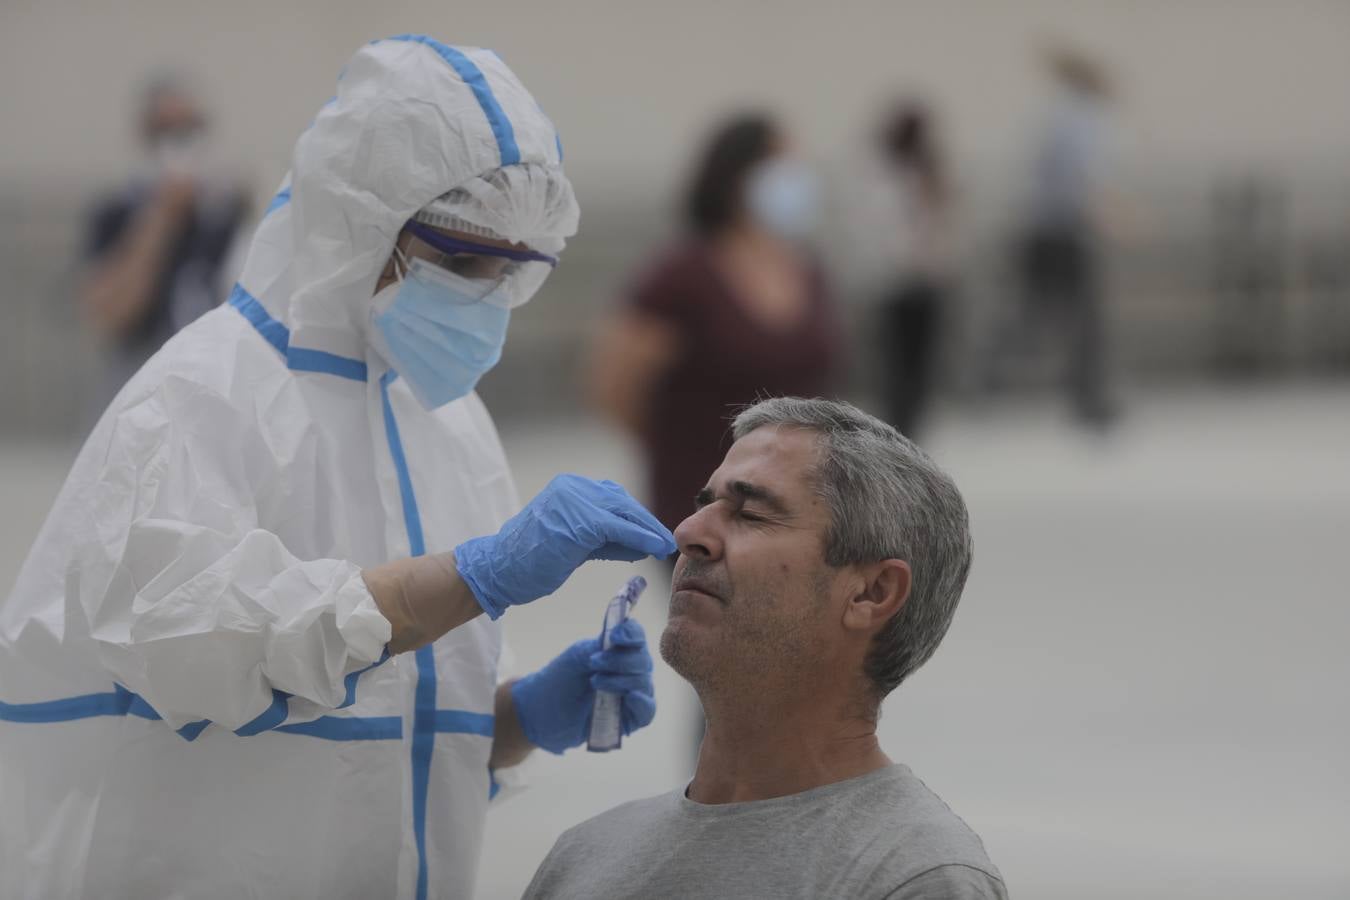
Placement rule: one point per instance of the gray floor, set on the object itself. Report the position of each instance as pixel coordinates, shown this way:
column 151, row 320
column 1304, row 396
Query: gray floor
column 1145, row 693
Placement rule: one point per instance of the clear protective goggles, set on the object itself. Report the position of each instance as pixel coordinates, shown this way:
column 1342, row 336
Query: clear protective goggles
column 501, row 276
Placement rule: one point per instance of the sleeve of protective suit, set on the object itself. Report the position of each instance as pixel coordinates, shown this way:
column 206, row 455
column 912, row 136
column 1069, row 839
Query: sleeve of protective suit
column 188, row 588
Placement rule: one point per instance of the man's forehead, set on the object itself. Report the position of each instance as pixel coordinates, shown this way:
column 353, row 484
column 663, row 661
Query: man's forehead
column 775, row 457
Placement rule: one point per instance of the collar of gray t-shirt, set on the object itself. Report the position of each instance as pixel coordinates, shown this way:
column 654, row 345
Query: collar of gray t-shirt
column 869, row 836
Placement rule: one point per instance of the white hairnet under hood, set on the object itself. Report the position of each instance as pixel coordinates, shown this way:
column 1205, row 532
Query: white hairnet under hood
column 412, row 120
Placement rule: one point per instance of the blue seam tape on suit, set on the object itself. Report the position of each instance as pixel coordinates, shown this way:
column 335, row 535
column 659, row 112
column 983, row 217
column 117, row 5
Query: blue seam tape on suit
column 458, row 721
column 482, row 92
column 271, row 330
column 270, row 718
column 350, row 698
column 298, row 359
column 302, row 359
column 412, row 520
column 122, row 702
column 282, row 197
column 354, row 728
column 424, row 703
column 67, row 709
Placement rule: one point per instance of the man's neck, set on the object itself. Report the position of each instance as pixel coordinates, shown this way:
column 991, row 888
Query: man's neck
column 766, row 751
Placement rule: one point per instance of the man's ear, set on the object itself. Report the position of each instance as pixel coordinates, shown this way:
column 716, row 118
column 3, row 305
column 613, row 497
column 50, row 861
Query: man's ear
column 882, row 594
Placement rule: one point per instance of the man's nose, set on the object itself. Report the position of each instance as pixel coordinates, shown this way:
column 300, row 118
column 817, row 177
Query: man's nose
column 699, row 535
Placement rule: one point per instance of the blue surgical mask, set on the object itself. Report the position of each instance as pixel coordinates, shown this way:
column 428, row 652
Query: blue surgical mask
column 782, row 196
column 440, row 331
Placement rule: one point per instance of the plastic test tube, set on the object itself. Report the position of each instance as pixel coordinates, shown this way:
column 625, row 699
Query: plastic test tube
column 606, row 714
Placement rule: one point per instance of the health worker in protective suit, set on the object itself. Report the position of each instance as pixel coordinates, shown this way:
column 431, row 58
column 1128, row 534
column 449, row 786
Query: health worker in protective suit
column 254, row 650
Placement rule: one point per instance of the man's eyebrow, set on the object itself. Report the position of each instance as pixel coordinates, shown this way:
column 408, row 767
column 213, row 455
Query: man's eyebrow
column 744, row 492
column 747, row 491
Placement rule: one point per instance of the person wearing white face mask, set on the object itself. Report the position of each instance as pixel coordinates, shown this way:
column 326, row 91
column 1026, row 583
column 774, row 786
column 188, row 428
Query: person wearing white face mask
column 254, row 651
column 160, row 251
column 738, row 308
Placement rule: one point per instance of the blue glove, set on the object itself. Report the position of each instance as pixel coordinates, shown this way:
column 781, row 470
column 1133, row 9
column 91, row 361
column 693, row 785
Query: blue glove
column 572, row 520
column 554, row 704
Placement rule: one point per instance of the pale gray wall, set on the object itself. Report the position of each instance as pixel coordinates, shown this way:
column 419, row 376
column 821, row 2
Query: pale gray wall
column 630, row 83
column 1208, row 89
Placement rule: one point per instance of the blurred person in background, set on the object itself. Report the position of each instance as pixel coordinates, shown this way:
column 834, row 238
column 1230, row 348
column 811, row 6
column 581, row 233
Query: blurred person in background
column 736, row 309
column 158, row 252
column 254, row 650
column 902, row 221
column 821, row 569
column 1061, row 254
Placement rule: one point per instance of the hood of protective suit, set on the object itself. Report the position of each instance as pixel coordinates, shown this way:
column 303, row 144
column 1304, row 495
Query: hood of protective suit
column 413, row 120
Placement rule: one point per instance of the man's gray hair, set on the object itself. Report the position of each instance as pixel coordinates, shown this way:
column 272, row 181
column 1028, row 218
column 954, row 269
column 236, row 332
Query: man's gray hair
column 887, row 500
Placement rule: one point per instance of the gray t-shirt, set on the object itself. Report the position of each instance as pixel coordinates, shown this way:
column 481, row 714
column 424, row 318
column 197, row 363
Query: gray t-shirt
column 883, row 835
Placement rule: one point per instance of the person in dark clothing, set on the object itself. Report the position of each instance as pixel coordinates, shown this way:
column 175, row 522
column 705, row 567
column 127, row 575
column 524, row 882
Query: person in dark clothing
column 736, row 310
column 155, row 250
column 912, row 310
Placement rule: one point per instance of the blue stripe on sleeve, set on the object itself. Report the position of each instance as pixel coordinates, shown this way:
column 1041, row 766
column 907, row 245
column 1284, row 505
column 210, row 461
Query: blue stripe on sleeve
column 351, row 680
column 67, row 709
column 269, row 718
column 193, row 730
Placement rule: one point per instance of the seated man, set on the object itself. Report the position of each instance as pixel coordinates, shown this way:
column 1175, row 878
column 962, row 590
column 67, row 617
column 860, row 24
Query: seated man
column 822, row 566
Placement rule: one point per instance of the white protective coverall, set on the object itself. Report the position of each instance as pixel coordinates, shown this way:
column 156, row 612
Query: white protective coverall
column 195, row 699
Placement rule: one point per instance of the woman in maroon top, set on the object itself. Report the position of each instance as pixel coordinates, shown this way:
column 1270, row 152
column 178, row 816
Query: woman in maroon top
column 736, row 310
